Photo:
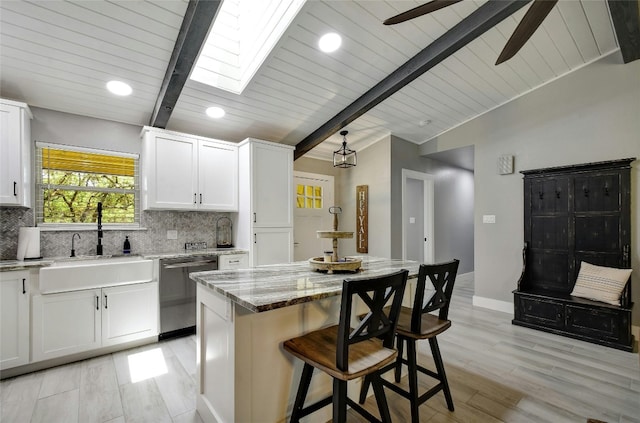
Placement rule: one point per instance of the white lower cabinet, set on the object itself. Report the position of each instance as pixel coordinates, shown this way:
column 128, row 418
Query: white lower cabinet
column 65, row 323
column 129, row 312
column 14, row 319
column 272, row 245
column 77, row 321
column 233, row 261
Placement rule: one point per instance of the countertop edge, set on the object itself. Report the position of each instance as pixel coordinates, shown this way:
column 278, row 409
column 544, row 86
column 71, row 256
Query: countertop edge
column 13, row 265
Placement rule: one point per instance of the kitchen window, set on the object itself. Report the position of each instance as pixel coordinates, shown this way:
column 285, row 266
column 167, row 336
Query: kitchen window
column 71, row 181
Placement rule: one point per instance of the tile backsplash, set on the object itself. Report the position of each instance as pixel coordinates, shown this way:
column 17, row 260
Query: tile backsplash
column 190, row 227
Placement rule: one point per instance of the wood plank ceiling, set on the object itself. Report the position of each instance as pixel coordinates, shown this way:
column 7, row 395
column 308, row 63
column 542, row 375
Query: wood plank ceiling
column 58, row 55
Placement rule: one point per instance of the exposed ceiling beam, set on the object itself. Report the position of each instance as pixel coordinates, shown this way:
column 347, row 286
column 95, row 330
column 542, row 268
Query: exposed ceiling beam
column 626, row 21
column 477, row 23
column 197, row 20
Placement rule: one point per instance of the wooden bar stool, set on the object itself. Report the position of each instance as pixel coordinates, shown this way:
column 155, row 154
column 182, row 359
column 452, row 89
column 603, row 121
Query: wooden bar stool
column 346, row 353
column 418, row 323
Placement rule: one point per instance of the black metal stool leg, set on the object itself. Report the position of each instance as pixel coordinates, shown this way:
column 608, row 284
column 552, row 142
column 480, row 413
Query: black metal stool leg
column 398, row 369
column 339, row 401
column 305, row 380
column 437, row 358
column 364, row 389
column 413, row 379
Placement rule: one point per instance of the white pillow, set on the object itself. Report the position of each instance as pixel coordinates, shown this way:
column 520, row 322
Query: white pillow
column 600, row 283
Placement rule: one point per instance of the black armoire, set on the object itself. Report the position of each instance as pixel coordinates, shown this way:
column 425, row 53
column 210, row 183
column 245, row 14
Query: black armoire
column 573, row 214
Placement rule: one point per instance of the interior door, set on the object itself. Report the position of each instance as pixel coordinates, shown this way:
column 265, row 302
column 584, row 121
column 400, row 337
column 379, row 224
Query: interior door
column 314, row 196
column 417, row 216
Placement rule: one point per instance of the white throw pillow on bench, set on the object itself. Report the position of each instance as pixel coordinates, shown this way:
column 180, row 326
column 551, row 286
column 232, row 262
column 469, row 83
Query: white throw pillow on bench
column 600, row 283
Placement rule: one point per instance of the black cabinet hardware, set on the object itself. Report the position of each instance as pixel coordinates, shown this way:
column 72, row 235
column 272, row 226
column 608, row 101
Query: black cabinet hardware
column 24, row 291
column 15, row 189
column 97, row 303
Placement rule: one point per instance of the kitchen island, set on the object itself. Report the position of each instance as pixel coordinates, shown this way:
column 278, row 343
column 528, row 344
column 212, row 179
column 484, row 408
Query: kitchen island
column 243, row 316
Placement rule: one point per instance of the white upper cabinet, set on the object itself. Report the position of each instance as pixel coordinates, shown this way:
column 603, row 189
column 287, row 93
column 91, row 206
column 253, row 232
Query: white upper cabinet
column 217, row 176
column 184, row 172
column 272, row 168
column 15, row 154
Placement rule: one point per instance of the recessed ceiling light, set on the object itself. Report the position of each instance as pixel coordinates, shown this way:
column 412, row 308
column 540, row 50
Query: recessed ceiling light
column 119, row 88
column 215, row 112
column 330, row 42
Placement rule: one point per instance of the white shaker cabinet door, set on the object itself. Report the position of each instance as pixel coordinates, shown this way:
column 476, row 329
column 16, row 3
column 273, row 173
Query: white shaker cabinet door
column 272, row 189
column 15, row 154
column 170, row 172
column 65, row 323
column 129, row 312
column 14, row 319
column 272, row 246
column 217, row 176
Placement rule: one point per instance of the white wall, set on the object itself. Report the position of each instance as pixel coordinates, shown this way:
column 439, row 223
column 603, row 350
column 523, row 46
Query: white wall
column 590, row 115
column 82, row 131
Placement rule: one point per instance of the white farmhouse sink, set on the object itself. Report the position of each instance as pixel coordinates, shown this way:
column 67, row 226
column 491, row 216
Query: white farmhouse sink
column 90, row 272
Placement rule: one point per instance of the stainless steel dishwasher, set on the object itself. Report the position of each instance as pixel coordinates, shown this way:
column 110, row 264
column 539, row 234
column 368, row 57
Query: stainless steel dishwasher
column 178, row 293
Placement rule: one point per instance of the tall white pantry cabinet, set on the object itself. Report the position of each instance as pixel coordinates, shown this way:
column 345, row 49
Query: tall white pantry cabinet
column 265, row 201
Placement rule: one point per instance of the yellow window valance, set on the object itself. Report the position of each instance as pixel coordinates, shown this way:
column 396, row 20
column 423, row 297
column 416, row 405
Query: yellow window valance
column 79, row 161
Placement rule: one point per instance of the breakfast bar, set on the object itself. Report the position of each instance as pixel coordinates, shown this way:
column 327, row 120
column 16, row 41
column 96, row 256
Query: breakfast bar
column 243, row 316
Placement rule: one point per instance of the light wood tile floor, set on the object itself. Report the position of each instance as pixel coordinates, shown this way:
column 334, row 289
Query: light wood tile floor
column 497, row 372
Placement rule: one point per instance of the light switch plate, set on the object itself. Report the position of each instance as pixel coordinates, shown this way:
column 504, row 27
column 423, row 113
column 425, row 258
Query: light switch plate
column 489, row 218
column 172, row 234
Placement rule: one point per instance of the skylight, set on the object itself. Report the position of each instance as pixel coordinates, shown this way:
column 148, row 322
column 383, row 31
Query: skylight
column 240, row 40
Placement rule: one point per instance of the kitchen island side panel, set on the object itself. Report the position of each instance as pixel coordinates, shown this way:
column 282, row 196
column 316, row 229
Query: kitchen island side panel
column 265, row 377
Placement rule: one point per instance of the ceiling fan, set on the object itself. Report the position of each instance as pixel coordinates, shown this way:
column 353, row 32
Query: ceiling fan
column 525, row 29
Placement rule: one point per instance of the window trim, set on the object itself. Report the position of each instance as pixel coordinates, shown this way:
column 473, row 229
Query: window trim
column 39, row 187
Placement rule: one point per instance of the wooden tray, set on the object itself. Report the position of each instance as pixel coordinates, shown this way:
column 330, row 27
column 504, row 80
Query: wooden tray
column 349, row 265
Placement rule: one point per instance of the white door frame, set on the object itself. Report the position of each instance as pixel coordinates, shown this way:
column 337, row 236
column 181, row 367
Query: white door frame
column 428, row 211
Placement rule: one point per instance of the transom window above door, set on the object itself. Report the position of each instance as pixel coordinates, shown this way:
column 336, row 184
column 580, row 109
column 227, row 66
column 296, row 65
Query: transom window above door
column 308, row 197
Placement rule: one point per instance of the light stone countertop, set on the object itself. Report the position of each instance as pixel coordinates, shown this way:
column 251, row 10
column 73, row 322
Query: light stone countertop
column 270, row 287
column 9, row 265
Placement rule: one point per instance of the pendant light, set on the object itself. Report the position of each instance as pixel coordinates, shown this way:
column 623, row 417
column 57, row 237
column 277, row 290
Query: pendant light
column 344, row 157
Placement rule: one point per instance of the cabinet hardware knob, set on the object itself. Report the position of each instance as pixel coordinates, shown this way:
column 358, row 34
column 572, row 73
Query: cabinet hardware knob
column 15, row 189
column 24, row 291
column 97, row 303
column 105, row 301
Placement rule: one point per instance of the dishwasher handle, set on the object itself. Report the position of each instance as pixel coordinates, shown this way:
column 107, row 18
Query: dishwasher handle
column 188, row 264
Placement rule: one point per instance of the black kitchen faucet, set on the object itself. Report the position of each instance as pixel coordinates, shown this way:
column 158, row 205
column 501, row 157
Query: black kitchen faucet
column 99, row 247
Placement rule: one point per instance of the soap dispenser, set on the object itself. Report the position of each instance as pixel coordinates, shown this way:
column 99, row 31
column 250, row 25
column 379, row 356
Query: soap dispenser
column 126, row 249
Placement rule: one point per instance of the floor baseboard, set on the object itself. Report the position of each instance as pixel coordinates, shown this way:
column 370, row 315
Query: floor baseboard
column 490, row 303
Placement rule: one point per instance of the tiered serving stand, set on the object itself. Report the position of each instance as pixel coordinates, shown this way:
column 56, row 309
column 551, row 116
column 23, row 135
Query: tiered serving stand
column 345, row 264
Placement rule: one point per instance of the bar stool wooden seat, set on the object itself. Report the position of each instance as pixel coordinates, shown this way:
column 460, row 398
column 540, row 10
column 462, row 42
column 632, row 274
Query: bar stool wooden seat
column 418, row 323
column 346, row 353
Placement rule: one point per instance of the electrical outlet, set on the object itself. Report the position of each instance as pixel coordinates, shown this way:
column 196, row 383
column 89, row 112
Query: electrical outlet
column 489, row 218
column 412, row 220
column 172, row 234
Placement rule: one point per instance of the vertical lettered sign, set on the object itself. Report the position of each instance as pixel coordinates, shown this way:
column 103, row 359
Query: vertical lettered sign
column 362, row 218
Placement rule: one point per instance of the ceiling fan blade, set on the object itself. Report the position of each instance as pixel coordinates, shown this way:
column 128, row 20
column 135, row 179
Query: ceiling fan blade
column 525, row 29
column 423, row 9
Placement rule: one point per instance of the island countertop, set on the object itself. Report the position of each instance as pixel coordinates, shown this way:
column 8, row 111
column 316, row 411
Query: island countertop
column 275, row 286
